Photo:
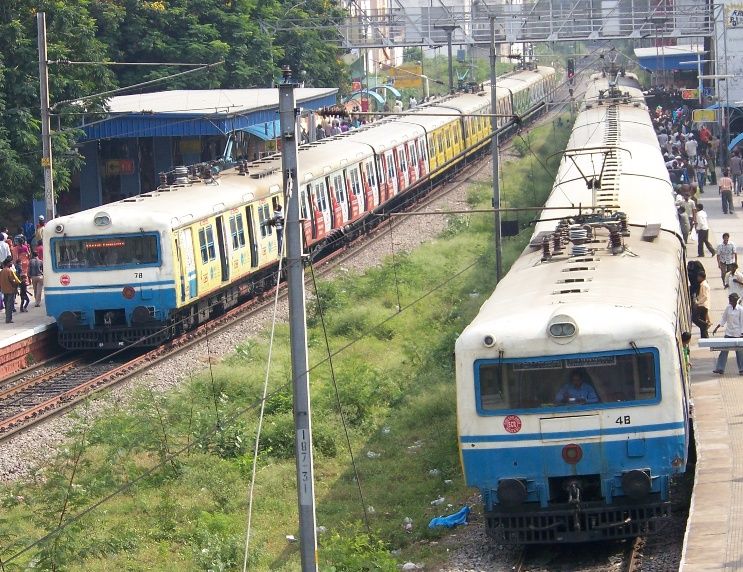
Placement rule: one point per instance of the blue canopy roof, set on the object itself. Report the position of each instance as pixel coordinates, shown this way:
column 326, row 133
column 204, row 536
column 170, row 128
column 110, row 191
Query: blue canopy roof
column 192, row 113
column 266, row 131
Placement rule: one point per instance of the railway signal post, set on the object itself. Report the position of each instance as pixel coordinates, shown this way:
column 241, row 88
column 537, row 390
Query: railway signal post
column 288, row 114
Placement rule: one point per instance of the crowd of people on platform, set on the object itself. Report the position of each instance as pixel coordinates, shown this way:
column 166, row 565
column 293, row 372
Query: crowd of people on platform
column 693, row 156
column 21, row 261
column 331, row 127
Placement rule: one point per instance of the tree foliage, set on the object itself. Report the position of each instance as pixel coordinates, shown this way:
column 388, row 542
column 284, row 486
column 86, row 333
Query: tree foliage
column 254, row 38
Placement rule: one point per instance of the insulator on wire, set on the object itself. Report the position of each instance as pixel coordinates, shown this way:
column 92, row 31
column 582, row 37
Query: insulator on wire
column 556, row 242
column 241, row 168
column 615, row 241
column 546, row 249
column 623, row 224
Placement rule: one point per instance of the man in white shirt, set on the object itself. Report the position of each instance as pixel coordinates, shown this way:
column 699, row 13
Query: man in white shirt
column 691, row 149
column 734, row 280
column 732, row 320
column 703, row 232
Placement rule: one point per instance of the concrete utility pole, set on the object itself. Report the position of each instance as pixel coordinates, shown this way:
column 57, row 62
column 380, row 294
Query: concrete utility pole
column 494, row 154
column 449, row 29
column 46, row 138
column 288, row 114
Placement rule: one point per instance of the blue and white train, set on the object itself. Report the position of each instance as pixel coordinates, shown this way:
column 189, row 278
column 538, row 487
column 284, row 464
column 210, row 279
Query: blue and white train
column 600, row 295
column 144, row 269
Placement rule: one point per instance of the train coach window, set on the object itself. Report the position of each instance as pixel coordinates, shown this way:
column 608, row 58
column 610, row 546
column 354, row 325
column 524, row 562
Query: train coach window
column 616, row 377
column 206, row 244
column 105, row 252
column 263, row 216
column 237, row 230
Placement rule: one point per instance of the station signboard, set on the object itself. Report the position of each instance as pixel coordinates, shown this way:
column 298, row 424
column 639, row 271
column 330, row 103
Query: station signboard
column 704, row 115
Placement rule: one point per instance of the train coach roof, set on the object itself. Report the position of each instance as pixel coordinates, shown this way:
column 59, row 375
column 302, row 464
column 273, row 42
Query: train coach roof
column 637, row 184
column 613, row 299
column 173, row 208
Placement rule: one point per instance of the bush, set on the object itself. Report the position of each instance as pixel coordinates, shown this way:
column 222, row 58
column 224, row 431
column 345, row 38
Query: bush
column 355, row 551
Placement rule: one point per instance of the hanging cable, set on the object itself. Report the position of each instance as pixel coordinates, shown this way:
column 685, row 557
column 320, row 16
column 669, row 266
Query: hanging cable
column 261, row 415
column 338, row 402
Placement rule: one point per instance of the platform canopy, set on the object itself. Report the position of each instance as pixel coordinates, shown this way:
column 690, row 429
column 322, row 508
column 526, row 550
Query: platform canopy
column 198, row 112
column 669, row 58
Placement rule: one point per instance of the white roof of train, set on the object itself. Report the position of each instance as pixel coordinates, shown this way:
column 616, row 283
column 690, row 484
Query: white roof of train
column 613, row 299
column 166, row 209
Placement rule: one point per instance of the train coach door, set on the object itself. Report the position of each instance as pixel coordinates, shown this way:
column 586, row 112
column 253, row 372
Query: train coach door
column 188, row 265
column 224, row 255
column 391, row 175
column 320, row 196
column 341, row 197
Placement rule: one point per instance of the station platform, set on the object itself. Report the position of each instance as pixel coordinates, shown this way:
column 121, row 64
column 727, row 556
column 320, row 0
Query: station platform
column 714, row 533
column 31, row 338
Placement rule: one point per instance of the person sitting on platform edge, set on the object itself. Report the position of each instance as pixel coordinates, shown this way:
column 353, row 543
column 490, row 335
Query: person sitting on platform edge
column 578, row 390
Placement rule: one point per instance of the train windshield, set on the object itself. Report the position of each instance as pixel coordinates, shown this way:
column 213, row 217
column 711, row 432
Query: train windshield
column 105, row 252
column 596, row 380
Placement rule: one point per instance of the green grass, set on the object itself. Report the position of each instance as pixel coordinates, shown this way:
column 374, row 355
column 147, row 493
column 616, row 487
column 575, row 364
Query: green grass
column 396, row 388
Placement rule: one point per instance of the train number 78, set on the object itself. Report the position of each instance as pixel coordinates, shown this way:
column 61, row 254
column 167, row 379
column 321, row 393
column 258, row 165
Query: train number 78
column 623, row 420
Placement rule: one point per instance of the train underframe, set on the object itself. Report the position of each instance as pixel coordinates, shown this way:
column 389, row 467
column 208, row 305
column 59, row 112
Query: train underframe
column 589, row 521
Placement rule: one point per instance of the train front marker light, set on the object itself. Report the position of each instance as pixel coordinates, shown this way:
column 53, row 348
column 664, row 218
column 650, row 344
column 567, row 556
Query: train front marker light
column 511, row 492
column 488, row 341
column 636, row 484
column 128, row 292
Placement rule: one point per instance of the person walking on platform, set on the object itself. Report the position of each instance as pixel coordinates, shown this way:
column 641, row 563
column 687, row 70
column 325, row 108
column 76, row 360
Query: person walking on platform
column 703, row 232
column 734, row 281
column 36, row 274
column 700, row 308
column 726, row 186
column 700, row 168
column 726, row 256
column 8, row 284
column 736, row 170
column 732, row 321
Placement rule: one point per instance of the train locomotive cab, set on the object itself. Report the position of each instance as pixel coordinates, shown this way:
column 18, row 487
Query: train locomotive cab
column 104, row 287
column 573, row 449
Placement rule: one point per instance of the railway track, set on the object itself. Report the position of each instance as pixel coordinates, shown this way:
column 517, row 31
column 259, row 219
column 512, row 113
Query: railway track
column 36, row 398
column 619, row 556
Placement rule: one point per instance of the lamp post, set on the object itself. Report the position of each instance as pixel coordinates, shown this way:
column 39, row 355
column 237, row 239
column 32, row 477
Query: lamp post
column 659, row 21
column 449, row 29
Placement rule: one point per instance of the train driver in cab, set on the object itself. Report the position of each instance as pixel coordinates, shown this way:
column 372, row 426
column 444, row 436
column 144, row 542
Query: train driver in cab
column 578, row 390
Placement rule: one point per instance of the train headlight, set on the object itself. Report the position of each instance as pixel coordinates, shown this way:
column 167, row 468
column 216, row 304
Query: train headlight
column 636, row 484
column 128, row 292
column 572, row 454
column 488, row 341
column 101, row 219
column 562, row 330
column 511, row 492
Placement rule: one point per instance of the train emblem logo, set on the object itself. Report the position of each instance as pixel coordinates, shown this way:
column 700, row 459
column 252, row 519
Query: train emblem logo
column 64, row 280
column 512, row 423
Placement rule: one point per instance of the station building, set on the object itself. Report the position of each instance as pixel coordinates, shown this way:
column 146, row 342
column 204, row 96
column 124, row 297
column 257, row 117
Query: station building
column 142, row 135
